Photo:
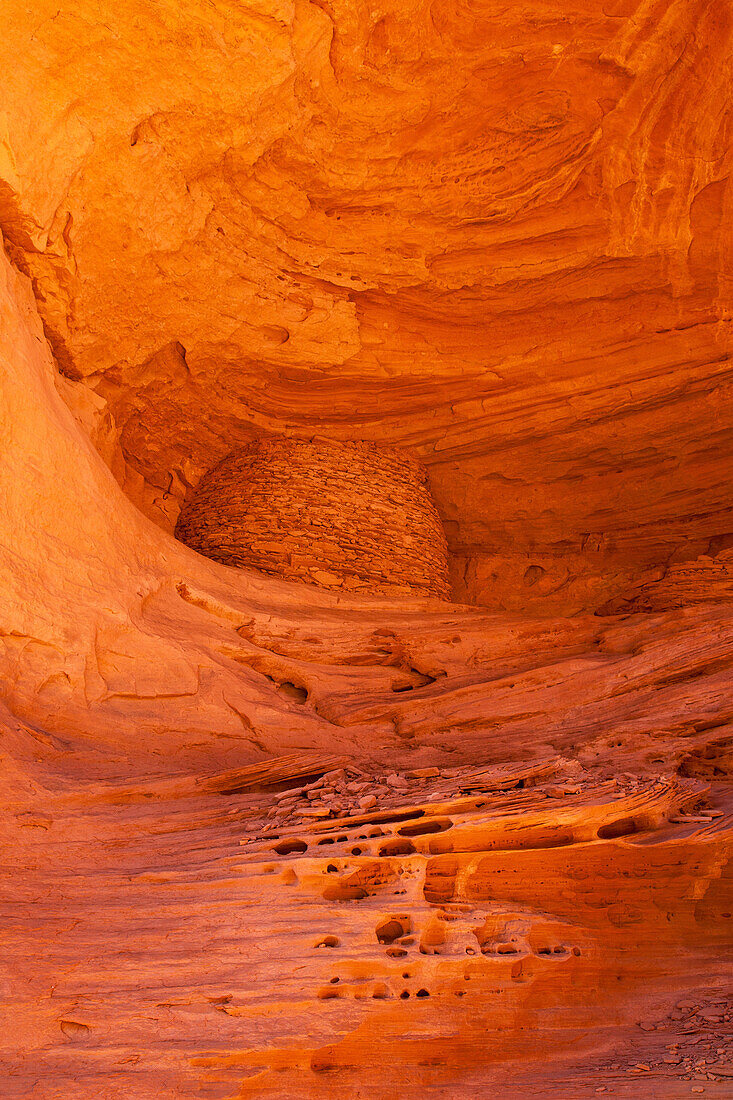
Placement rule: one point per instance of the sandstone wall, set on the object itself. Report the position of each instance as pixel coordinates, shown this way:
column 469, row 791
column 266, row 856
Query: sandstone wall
column 500, row 238
column 340, row 515
column 270, row 840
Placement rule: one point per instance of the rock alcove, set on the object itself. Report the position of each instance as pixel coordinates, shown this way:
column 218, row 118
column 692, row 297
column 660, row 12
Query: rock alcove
column 463, row 846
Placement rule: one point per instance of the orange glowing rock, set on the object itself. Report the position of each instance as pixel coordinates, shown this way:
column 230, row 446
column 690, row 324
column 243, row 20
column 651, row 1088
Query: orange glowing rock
column 273, row 839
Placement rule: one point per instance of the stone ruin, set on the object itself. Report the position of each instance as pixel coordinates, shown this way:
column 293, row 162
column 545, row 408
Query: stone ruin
column 352, row 516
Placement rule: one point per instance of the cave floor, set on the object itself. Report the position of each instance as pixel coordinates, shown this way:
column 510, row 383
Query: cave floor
column 271, row 932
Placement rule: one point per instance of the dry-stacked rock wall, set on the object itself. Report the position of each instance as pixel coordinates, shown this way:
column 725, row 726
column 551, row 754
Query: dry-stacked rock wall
column 340, row 515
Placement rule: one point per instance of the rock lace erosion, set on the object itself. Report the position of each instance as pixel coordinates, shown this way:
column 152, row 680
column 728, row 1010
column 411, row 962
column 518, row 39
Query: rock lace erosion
column 366, row 550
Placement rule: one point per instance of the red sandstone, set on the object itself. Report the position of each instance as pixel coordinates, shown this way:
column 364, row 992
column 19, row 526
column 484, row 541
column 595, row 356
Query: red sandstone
column 269, row 839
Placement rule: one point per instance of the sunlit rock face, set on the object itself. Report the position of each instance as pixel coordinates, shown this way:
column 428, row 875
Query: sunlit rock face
column 500, row 236
column 273, row 839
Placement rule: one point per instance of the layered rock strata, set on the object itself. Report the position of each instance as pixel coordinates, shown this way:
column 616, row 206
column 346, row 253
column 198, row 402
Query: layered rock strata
column 496, row 235
column 504, row 931
column 349, row 516
column 404, row 915
column 265, row 839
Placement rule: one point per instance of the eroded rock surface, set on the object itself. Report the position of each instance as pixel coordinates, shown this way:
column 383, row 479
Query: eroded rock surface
column 500, row 236
column 263, row 839
column 281, row 935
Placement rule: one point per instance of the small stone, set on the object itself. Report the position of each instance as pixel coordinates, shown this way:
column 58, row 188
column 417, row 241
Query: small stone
column 395, row 780
column 356, row 788
column 368, row 802
column 424, row 773
column 648, row 1027
column 698, row 1088
column 322, row 576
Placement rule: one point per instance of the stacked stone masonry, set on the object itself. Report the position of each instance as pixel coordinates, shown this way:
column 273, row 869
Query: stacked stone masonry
column 353, row 516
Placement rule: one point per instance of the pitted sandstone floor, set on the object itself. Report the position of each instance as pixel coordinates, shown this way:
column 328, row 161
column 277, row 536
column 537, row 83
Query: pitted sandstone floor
column 258, row 933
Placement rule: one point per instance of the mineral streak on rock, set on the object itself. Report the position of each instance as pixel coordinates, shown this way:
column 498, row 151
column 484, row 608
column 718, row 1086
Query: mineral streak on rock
column 340, row 515
column 287, row 841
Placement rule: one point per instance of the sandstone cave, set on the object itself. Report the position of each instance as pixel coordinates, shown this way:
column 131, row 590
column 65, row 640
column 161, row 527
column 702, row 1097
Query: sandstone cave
column 366, row 549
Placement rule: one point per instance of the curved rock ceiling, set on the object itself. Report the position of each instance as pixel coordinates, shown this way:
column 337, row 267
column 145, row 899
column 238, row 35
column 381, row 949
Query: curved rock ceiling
column 264, row 840
column 497, row 234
